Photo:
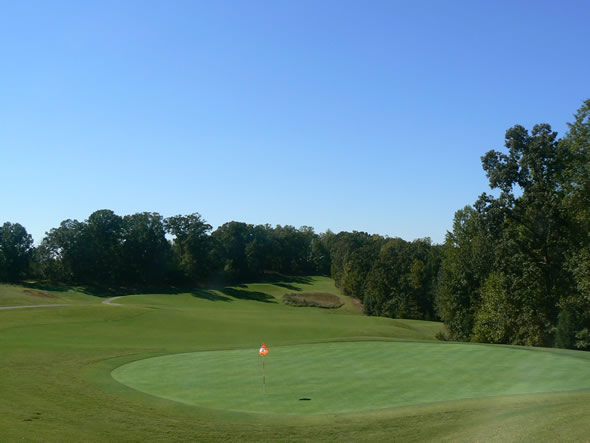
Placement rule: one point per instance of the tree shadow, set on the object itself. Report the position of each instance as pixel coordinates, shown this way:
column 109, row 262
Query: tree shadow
column 280, row 278
column 248, row 295
column 237, row 291
column 288, row 286
column 95, row 291
column 207, row 294
column 44, row 286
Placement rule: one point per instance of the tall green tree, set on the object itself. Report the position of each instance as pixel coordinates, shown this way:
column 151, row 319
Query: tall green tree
column 358, row 266
column 16, row 251
column 104, row 239
column 467, row 261
column 397, row 283
column 573, row 328
column 533, row 246
column 145, row 251
column 320, row 254
column 233, row 238
column 533, row 240
column 63, row 253
column 194, row 250
column 341, row 247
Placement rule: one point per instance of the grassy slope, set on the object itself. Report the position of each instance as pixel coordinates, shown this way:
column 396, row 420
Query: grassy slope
column 15, row 295
column 56, row 382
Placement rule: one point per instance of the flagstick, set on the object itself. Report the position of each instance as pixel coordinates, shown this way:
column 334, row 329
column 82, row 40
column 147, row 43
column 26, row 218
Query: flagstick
column 263, row 378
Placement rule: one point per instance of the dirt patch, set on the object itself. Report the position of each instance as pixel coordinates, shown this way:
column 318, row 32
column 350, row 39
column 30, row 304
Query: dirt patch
column 39, row 293
column 313, row 299
column 358, row 304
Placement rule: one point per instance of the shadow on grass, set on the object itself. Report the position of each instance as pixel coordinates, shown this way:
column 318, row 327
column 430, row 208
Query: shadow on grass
column 248, row 295
column 207, row 294
column 95, row 291
column 236, row 291
column 44, row 286
column 288, row 286
column 285, row 279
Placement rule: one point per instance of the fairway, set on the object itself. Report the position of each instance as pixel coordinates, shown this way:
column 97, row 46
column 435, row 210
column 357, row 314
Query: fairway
column 350, row 377
column 184, row 366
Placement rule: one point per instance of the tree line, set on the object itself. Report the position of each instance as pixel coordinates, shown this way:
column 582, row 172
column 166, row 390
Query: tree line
column 146, row 249
column 392, row 277
column 515, row 268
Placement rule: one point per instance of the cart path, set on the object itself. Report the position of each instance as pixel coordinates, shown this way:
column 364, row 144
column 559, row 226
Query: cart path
column 109, row 301
column 35, row 306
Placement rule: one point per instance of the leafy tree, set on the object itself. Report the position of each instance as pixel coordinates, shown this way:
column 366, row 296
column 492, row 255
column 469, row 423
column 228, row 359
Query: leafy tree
column 495, row 320
column 16, row 251
column 64, row 253
column 320, row 255
column 258, row 250
column 293, row 249
column 533, row 241
column 233, row 238
column 401, row 282
column 358, row 266
column 341, row 247
column 104, row 238
column 466, row 263
column 574, row 324
column 146, row 252
column 194, row 250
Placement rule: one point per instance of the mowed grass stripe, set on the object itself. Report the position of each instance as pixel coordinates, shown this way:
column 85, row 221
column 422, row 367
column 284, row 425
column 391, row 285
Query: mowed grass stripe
column 350, row 377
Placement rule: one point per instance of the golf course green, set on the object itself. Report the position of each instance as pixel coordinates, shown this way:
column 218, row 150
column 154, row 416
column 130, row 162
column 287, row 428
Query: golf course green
column 349, row 377
column 184, row 366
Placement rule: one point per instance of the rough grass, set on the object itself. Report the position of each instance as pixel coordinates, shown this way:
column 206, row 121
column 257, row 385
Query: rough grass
column 313, row 299
column 17, row 295
column 56, row 383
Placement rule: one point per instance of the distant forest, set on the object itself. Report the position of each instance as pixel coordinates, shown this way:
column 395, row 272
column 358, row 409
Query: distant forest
column 514, row 269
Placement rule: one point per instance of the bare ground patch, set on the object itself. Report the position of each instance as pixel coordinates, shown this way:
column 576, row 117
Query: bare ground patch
column 313, row 299
column 39, row 293
column 358, row 304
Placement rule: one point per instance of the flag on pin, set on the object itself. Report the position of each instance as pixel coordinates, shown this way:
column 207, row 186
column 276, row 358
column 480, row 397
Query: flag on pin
column 263, row 350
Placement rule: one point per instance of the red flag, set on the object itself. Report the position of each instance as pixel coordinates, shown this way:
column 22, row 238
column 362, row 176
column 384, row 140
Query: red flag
column 263, row 350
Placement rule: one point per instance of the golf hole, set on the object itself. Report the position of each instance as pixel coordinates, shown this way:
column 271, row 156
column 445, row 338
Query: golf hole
column 304, row 399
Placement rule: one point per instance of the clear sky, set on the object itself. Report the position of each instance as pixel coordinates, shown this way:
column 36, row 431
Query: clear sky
column 341, row 115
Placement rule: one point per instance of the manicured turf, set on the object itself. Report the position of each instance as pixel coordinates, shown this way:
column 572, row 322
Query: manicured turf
column 350, row 377
column 56, row 365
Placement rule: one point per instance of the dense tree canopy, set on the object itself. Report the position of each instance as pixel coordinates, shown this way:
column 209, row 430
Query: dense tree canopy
column 16, row 251
column 515, row 266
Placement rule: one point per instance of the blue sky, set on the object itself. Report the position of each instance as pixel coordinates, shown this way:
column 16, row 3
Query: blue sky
column 341, row 115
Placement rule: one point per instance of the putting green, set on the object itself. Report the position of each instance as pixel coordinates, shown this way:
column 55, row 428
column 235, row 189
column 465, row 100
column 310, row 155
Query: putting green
column 347, row 377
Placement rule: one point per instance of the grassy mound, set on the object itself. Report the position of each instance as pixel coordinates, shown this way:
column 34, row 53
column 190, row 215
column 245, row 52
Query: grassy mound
column 313, row 299
column 351, row 377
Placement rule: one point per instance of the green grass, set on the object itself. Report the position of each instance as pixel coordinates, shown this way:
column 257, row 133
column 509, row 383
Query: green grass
column 351, row 377
column 56, row 382
column 16, row 295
